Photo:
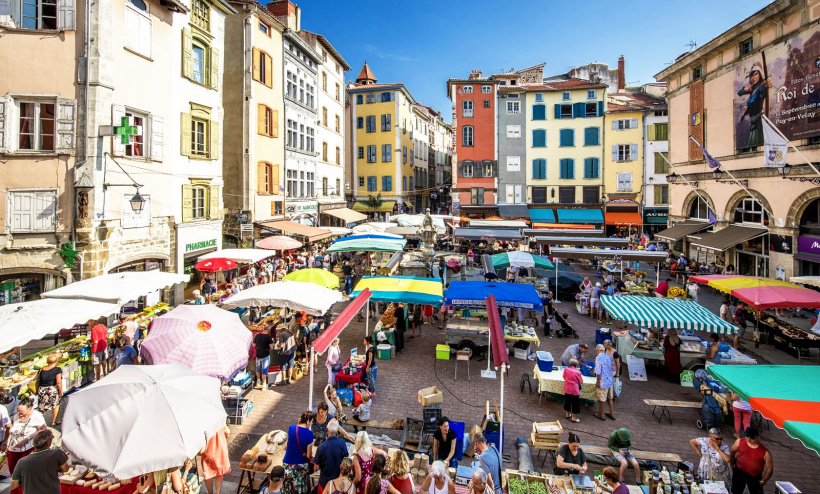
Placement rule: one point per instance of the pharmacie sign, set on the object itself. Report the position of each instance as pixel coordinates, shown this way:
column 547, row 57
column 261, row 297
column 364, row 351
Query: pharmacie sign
column 204, row 244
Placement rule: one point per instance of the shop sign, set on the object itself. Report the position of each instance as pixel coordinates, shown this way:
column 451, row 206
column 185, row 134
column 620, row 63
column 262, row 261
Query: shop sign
column 302, row 207
column 455, row 207
column 781, row 243
column 655, row 213
column 808, row 244
column 204, row 244
column 330, row 207
column 246, row 228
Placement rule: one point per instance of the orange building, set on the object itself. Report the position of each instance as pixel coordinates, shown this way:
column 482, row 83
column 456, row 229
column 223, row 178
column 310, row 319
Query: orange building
column 474, row 124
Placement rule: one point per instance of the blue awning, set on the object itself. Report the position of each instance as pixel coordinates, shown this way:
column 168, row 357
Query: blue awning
column 580, row 216
column 542, row 215
column 474, row 293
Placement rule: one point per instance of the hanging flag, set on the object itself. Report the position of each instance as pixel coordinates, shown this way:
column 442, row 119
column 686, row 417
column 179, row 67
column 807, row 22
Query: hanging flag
column 775, row 145
column 712, row 162
column 712, row 219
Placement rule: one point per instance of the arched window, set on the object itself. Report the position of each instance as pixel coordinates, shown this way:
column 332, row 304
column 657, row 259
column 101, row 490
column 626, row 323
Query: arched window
column 810, row 219
column 467, row 136
column 751, row 211
column 699, row 209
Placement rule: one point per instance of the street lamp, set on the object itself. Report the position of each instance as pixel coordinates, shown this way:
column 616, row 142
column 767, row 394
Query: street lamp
column 137, row 202
column 672, row 178
column 784, row 170
column 717, row 173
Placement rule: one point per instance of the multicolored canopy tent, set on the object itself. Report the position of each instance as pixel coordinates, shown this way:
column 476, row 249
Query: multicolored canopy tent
column 244, row 256
column 788, row 395
column 356, row 244
column 519, row 258
column 501, row 356
column 474, row 293
column 318, row 276
column 407, row 289
column 665, row 313
column 763, row 293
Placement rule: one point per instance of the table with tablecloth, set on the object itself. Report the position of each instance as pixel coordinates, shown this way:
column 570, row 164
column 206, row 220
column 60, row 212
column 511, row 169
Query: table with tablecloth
column 80, row 489
column 350, row 378
column 553, row 383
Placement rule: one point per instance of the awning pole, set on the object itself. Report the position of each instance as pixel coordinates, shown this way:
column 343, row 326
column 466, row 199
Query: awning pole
column 658, row 274
column 555, row 295
column 310, row 400
column 501, row 415
column 490, row 343
column 367, row 318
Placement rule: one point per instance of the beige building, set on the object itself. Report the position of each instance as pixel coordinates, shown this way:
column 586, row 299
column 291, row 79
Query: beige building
column 718, row 94
column 254, row 152
column 38, row 126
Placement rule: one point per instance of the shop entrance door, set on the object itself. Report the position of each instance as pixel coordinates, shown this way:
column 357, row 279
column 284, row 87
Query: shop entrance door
column 752, row 264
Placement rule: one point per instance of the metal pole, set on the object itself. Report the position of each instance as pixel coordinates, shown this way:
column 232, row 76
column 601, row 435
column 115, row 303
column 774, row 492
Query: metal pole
column 792, row 145
column 310, row 400
column 555, row 295
column 501, row 415
column 658, row 274
column 367, row 318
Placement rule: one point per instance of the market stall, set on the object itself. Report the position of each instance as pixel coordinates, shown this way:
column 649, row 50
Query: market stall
column 294, row 295
column 367, row 243
column 119, row 288
column 552, row 382
column 241, row 256
column 517, row 258
column 317, row 276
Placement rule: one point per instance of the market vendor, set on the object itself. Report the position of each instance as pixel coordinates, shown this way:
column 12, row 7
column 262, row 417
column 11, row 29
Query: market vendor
column 712, row 352
column 444, row 443
column 576, row 352
column 571, row 459
column 663, row 288
column 99, row 346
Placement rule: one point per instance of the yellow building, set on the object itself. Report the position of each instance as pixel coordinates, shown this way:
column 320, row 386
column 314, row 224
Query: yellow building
column 382, row 144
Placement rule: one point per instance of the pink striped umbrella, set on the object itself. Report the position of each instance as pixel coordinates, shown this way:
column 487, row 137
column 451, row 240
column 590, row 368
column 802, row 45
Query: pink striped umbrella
column 205, row 338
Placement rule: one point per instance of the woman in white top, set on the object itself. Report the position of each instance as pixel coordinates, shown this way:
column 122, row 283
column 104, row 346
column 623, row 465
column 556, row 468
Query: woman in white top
column 694, row 290
column 333, row 354
column 19, row 434
column 743, row 414
column 437, row 481
column 334, row 404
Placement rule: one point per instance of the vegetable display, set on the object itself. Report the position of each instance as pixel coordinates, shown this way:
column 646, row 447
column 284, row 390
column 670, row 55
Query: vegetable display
column 538, row 487
column 517, row 485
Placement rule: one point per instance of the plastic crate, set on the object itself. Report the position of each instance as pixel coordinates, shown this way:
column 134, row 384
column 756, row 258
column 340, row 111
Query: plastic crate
column 442, row 352
column 458, row 429
column 602, row 334
column 430, row 416
column 411, row 434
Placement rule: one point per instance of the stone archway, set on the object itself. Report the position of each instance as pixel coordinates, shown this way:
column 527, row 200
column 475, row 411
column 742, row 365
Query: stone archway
column 692, row 197
column 799, row 206
column 738, row 196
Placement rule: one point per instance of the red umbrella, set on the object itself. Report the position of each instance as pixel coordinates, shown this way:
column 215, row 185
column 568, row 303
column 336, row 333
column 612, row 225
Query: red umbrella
column 215, row 264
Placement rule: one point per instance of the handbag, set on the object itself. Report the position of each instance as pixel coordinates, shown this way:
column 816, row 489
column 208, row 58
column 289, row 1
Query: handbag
column 303, row 451
column 336, row 367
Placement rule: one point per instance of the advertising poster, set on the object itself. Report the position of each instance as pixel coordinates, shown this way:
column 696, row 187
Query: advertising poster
column 782, row 82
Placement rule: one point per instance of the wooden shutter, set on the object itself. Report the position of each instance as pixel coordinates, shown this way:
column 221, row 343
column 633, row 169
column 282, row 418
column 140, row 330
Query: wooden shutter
column 45, row 210
column 268, row 70
column 187, row 54
column 2, row 125
column 117, row 113
column 633, row 155
column 650, row 132
column 213, row 80
column 658, row 191
column 185, row 139
column 65, row 15
column 261, row 182
column 614, row 125
column 558, row 111
column 510, row 194
column 579, row 110
column 274, row 179
column 213, row 134
column 21, row 206
column 274, row 123
column 633, row 123
column 187, row 203
column 66, row 128
column 600, row 108
column 614, row 152
column 539, row 112
column 213, row 202
column 157, row 138
column 261, row 119
column 257, row 69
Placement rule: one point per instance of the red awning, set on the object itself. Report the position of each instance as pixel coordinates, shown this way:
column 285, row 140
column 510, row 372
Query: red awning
column 623, row 219
column 499, row 347
column 321, row 344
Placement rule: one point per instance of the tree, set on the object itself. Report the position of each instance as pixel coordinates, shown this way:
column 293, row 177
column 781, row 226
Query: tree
column 374, row 202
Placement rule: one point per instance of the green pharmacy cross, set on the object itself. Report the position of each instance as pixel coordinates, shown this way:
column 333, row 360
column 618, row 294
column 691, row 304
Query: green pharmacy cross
column 68, row 254
column 127, row 129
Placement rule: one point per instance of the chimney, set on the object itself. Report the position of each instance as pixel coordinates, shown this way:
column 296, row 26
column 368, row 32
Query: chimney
column 287, row 12
column 621, row 74
column 475, row 74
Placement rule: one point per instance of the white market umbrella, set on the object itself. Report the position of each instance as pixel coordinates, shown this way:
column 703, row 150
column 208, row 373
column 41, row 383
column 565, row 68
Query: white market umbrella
column 142, row 418
column 374, row 227
column 26, row 321
column 308, row 297
column 118, row 288
column 278, row 242
column 205, row 338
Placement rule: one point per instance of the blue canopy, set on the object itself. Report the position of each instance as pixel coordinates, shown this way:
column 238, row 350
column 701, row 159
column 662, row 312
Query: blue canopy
column 542, row 215
column 580, row 216
column 369, row 236
column 473, row 293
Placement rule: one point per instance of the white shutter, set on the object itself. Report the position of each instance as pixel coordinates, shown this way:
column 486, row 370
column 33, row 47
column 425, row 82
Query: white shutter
column 130, row 28
column 145, row 33
column 66, row 126
column 518, row 198
column 614, row 125
column 117, row 113
column 157, row 140
column 510, row 194
column 614, row 152
column 15, row 13
column 633, row 123
column 65, row 15
column 3, row 105
column 633, row 155
column 20, row 211
column 45, row 211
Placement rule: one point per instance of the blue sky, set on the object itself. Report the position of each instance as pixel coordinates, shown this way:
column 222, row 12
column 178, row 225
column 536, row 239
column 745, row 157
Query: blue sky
column 422, row 43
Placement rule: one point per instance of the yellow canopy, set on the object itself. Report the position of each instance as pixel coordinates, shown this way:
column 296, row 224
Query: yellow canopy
column 726, row 285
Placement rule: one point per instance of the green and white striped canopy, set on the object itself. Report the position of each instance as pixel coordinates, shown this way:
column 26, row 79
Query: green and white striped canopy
column 665, row 313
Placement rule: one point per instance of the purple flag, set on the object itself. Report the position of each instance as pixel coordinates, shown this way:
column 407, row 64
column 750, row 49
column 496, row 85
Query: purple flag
column 712, row 219
column 712, row 162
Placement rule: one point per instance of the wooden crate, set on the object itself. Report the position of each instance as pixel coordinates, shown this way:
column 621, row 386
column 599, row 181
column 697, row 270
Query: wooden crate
column 547, row 430
column 545, row 443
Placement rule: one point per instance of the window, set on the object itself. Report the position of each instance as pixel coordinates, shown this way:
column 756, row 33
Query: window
column 371, row 154
column 513, row 163
column 404, row 183
column 361, row 181
column 262, row 67
column 514, row 195
column 467, row 135
column 37, row 126
column 566, row 195
column 477, row 196
column 658, row 132
column 746, row 46
column 567, row 138
column 624, row 182
column 539, row 138
column 699, row 209
column 591, row 168
column 751, row 211
column 293, row 183
column 486, row 103
column 567, row 169
column 199, row 64
column 661, row 194
column 137, row 28
column 359, row 99
column 411, row 182
column 467, row 108
column 200, row 200
column 201, row 14
column 371, row 98
column 513, row 132
column 591, row 94
column 371, row 184
column 513, row 107
column 467, row 89
column 591, row 110
column 359, row 122
column 293, row 134
column 360, row 152
column 404, row 155
column 592, row 136
column 324, row 81
column 199, row 134
column 466, row 169
column 268, row 121
column 625, row 124
column 563, row 111
column 264, row 27
column 697, row 72
column 324, row 116
column 539, row 169
column 590, row 194
column 36, row 14
column 488, row 169
column 31, row 211
column 566, row 96
column 324, row 186
column 486, row 89
column 387, row 183
column 268, row 178
column 539, row 97
column 539, row 112
column 661, row 113
column 338, row 124
column 387, row 123
column 324, row 152
column 661, row 164
column 371, row 123
column 387, row 152
column 136, row 146
column 624, row 152
column 338, row 155
column 200, row 61
column 386, row 97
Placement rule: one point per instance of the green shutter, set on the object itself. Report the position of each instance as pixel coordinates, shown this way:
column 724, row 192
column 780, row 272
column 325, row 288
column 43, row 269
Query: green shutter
column 650, row 133
column 600, row 108
column 661, row 166
column 187, row 54
column 558, row 111
column 185, row 135
column 213, row 78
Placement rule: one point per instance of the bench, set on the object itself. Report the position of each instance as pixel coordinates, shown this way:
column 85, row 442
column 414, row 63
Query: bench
column 602, row 455
column 665, row 405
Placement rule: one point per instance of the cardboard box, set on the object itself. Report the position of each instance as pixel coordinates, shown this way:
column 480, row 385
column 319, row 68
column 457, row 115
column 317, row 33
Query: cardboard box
column 430, row 396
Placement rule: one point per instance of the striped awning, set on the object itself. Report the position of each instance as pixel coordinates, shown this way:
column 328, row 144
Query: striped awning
column 665, row 313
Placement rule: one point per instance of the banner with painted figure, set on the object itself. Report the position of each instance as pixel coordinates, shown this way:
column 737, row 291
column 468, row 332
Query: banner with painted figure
column 782, row 82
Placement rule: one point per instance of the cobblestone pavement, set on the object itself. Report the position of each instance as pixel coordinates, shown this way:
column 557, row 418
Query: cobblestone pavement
column 400, row 379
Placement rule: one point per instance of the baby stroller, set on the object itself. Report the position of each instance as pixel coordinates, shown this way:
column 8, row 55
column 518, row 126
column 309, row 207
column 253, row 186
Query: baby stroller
column 565, row 329
column 710, row 408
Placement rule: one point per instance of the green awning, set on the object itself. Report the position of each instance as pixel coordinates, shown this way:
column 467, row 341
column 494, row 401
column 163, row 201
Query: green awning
column 656, row 220
column 594, row 216
column 665, row 313
column 385, row 207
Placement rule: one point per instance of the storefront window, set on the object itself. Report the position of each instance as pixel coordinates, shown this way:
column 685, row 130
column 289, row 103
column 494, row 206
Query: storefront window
column 810, row 220
column 751, row 211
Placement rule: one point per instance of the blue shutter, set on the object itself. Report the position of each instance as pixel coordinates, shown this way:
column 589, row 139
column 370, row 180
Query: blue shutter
column 543, row 166
column 563, row 167
column 539, row 112
column 579, row 110
column 600, row 108
column 634, row 153
column 558, row 111
column 567, row 137
column 570, row 168
column 614, row 152
column 596, row 169
column 588, row 168
column 571, row 134
column 539, row 138
column 591, row 136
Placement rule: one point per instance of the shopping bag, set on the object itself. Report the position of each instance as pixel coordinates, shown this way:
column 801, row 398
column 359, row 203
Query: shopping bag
column 617, row 386
column 687, row 379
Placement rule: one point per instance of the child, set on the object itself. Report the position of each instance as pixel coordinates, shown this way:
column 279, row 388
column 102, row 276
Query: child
column 362, row 412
